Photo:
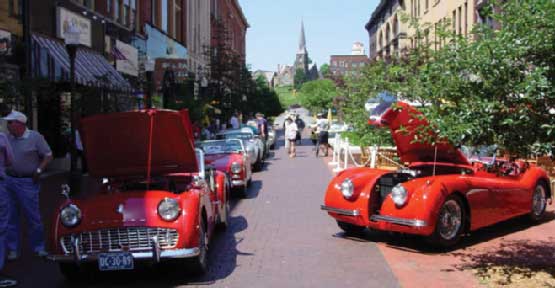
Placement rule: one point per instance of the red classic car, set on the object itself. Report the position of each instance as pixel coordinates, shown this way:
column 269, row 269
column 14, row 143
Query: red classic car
column 439, row 194
column 157, row 201
column 230, row 157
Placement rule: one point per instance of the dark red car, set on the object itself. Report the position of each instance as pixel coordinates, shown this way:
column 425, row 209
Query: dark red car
column 230, row 157
column 157, row 203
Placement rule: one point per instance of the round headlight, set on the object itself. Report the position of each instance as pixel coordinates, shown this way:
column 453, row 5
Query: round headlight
column 347, row 188
column 399, row 195
column 235, row 168
column 168, row 209
column 70, row 215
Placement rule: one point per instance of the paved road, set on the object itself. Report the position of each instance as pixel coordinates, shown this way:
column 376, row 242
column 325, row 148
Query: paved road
column 278, row 238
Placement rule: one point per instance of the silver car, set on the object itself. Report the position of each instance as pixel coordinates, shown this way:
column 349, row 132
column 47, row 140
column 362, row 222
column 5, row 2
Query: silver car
column 254, row 146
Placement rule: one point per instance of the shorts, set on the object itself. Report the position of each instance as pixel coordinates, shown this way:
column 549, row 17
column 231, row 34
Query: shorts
column 323, row 137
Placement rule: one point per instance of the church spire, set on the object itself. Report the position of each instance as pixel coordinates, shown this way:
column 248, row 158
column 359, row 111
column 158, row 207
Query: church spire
column 302, row 41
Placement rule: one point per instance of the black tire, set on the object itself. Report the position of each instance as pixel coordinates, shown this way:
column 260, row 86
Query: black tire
column 71, row 271
column 449, row 227
column 539, row 202
column 199, row 264
column 350, row 229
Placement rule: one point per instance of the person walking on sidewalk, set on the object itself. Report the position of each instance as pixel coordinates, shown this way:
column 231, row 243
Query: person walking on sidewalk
column 291, row 135
column 6, row 158
column 322, row 127
column 31, row 155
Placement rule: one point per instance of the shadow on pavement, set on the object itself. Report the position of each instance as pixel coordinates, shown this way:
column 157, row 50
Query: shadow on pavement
column 417, row 244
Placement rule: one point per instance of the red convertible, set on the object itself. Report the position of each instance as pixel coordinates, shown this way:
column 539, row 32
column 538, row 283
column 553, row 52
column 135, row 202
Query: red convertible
column 157, row 202
column 440, row 194
column 230, row 157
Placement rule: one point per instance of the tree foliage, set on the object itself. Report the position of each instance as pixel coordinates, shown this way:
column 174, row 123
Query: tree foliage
column 496, row 86
column 317, row 95
column 300, row 78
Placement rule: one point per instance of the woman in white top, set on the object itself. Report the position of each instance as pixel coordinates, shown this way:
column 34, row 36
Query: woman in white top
column 290, row 135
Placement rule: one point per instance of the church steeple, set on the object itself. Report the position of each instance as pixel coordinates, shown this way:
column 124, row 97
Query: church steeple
column 302, row 41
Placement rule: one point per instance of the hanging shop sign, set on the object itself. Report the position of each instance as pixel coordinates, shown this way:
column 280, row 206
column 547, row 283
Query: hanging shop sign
column 128, row 59
column 66, row 18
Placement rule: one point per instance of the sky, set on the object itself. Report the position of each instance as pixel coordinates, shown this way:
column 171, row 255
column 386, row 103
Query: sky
column 331, row 28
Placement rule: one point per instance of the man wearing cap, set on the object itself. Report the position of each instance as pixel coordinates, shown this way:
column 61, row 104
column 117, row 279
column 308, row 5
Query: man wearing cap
column 6, row 158
column 31, row 155
column 263, row 130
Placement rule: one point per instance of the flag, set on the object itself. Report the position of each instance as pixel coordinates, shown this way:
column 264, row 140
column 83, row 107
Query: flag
column 117, row 54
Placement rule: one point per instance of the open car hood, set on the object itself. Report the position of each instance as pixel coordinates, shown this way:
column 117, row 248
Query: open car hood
column 403, row 120
column 119, row 144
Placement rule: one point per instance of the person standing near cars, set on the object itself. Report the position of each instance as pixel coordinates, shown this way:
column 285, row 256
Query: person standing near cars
column 6, row 158
column 234, row 121
column 291, row 135
column 31, row 155
column 262, row 126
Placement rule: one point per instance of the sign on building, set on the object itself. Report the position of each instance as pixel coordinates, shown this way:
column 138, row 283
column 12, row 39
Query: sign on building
column 66, row 18
column 130, row 63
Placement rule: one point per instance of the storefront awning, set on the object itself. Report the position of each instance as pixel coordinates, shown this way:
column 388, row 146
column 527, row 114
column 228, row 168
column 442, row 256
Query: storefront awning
column 91, row 68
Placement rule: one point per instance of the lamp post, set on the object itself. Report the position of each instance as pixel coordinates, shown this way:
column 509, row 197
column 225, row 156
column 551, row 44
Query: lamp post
column 71, row 38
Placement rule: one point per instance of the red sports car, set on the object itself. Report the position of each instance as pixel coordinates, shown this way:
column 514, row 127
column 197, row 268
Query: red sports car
column 157, row 201
column 439, row 194
column 230, row 157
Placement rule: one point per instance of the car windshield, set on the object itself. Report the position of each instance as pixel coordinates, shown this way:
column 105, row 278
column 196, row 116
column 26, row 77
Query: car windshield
column 221, row 146
column 242, row 136
column 478, row 152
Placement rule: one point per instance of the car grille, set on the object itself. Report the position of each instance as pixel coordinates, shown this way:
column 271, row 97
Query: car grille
column 120, row 239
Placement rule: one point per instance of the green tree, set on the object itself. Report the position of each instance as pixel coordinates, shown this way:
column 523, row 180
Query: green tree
column 317, row 95
column 300, row 78
column 325, row 70
column 497, row 87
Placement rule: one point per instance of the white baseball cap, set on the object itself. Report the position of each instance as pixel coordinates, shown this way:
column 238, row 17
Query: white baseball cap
column 16, row 115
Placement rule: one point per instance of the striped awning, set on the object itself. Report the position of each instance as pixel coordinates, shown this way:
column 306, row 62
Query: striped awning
column 91, row 68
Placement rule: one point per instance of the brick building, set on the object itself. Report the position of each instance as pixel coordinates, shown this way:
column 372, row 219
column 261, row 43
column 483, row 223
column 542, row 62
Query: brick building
column 346, row 65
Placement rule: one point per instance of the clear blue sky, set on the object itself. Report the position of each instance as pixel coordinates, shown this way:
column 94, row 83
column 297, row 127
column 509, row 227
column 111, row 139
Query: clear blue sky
column 331, row 27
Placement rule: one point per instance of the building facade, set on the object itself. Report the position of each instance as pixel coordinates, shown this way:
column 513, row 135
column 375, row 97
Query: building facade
column 389, row 36
column 387, row 33
column 347, row 65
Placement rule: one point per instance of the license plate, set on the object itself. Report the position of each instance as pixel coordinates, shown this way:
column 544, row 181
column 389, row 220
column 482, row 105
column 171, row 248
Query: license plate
column 115, row 261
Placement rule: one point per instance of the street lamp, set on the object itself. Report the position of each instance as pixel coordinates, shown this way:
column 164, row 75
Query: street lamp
column 71, row 38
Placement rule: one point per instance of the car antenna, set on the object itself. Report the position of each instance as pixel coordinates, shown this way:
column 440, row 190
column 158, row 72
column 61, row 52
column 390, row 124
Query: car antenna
column 435, row 159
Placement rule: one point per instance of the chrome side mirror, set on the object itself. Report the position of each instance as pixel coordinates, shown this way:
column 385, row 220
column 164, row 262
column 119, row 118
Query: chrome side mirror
column 65, row 190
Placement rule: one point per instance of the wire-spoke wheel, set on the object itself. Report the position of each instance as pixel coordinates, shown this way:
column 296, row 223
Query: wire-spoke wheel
column 539, row 202
column 450, row 222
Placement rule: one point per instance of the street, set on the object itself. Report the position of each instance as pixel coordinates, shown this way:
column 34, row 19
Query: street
column 278, row 237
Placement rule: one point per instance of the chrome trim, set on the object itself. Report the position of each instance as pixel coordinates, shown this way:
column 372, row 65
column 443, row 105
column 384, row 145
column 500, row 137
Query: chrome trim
column 399, row 221
column 155, row 249
column 235, row 183
column 474, row 191
column 340, row 211
column 147, row 255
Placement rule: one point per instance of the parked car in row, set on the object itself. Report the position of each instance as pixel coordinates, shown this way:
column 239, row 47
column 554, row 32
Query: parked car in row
column 440, row 194
column 158, row 201
column 230, row 157
column 253, row 144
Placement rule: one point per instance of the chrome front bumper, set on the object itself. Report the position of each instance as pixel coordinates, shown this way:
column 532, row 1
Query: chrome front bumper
column 237, row 183
column 155, row 254
column 399, row 221
column 340, row 211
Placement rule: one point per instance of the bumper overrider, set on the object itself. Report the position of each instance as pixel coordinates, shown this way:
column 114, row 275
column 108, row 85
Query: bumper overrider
column 155, row 254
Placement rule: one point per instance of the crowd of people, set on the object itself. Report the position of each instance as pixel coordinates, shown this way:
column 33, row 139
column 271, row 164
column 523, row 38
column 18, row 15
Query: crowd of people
column 294, row 126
